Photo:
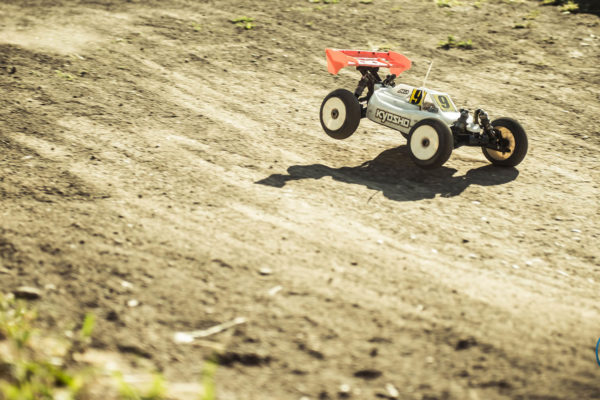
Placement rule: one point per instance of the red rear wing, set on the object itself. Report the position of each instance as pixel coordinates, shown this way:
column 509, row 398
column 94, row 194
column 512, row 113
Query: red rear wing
column 338, row 59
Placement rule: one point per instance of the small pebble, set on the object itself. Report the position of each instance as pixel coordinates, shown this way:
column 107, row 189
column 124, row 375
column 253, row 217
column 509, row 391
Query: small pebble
column 127, row 285
column 344, row 390
column 273, row 291
column 27, row 293
column 265, row 271
column 133, row 303
column 392, row 391
column 562, row 272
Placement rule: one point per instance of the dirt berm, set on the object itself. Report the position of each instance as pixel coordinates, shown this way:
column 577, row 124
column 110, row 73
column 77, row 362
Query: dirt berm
column 155, row 151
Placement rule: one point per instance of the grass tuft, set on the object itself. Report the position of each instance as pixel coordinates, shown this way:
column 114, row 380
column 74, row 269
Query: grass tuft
column 451, row 43
column 243, row 22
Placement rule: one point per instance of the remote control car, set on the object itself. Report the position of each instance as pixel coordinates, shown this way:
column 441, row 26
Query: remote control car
column 426, row 117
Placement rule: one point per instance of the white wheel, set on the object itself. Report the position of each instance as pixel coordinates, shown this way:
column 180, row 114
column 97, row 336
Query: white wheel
column 334, row 113
column 425, row 142
column 340, row 114
column 430, row 143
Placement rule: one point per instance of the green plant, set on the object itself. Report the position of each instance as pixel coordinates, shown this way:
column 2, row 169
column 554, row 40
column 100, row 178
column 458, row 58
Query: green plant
column 448, row 3
column 465, row 44
column 243, row 22
column 208, row 380
column 196, row 27
column 569, row 6
column 63, row 75
column 33, row 367
column 451, row 42
column 26, row 373
column 155, row 392
column 533, row 14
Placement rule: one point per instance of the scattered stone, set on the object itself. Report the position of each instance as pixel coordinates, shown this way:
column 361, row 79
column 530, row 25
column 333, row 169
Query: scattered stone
column 380, row 241
column 27, row 293
column 127, row 285
column 529, row 263
column 562, row 272
column 274, row 290
column 265, row 271
column 368, row 374
column 476, row 202
column 112, row 316
column 248, row 359
column 133, row 303
column 575, row 230
column 434, row 251
column 379, row 339
column 464, row 344
column 344, row 391
column 50, row 287
column 429, row 360
column 391, row 390
column 515, row 266
column 324, row 395
column 188, row 337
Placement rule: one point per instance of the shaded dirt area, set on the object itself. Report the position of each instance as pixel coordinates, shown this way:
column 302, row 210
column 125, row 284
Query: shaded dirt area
column 152, row 150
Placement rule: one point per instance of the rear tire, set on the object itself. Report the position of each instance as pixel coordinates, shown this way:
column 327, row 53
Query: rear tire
column 512, row 131
column 430, row 143
column 340, row 114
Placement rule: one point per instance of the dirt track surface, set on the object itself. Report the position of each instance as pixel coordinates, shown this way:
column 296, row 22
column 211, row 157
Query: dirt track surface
column 156, row 143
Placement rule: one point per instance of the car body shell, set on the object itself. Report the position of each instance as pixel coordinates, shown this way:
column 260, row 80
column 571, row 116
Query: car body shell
column 397, row 107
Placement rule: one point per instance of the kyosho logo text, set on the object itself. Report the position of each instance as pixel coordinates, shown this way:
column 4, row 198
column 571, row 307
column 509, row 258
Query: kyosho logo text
column 385, row 116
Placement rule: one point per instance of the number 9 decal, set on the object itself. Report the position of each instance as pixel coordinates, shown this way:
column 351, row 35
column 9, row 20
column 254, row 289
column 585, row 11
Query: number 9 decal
column 417, row 97
column 444, row 102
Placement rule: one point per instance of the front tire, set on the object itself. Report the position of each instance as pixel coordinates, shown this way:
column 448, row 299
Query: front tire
column 513, row 132
column 340, row 114
column 430, row 143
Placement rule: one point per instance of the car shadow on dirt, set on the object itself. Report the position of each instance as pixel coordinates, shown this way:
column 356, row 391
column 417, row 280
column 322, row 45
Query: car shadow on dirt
column 395, row 175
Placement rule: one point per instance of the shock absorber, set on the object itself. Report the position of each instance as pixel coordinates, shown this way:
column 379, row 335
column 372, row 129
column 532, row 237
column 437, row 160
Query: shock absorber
column 481, row 118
